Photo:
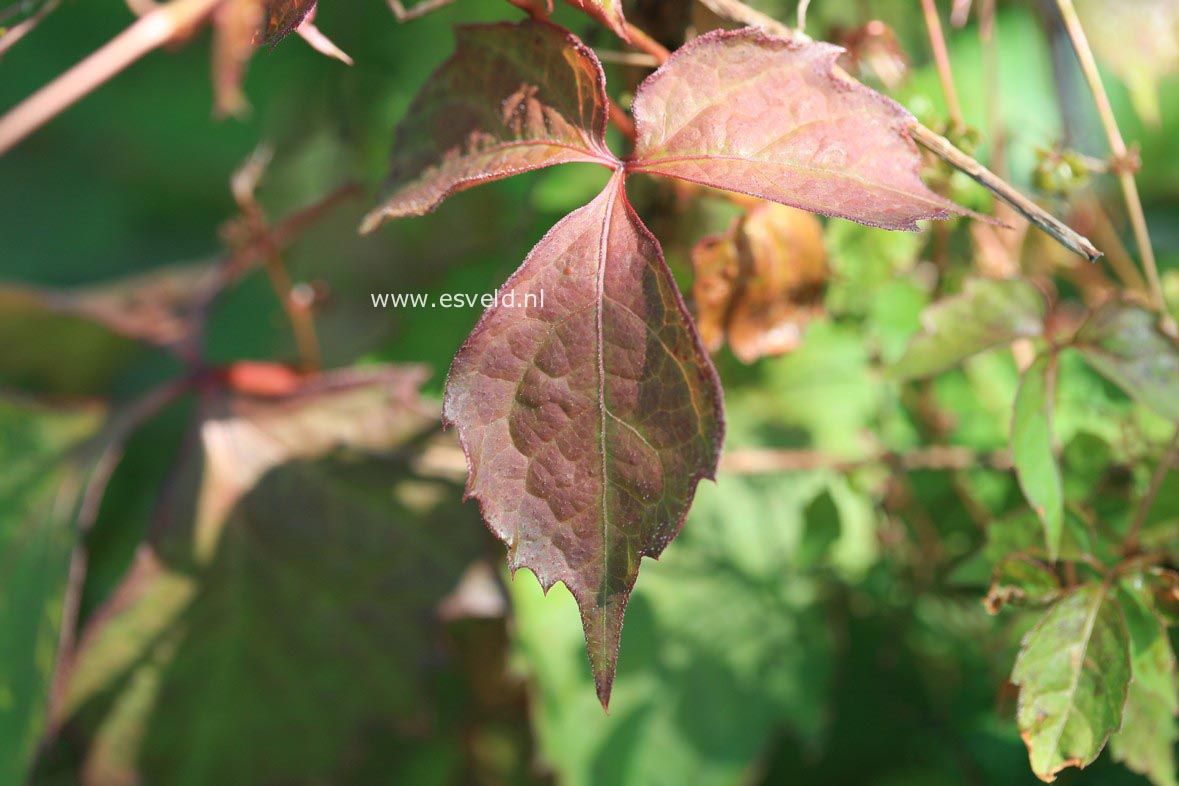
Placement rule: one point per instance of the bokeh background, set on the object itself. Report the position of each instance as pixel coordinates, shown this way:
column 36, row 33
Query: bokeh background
column 812, row 627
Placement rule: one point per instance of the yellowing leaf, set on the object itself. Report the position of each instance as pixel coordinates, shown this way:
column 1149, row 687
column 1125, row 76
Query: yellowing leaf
column 760, row 282
column 1074, row 672
column 1146, row 741
column 589, row 417
column 753, row 113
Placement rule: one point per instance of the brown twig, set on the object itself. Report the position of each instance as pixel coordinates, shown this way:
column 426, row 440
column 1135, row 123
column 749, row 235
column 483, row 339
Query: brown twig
column 941, row 57
column 645, row 43
column 1130, row 543
column 404, row 14
column 167, row 23
column 622, row 120
column 298, row 311
column 1117, row 146
column 1061, row 232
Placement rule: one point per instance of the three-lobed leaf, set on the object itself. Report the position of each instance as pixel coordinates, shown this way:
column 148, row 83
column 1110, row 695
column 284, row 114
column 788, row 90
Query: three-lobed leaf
column 511, row 99
column 749, row 112
column 1074, row 673
column 1123, row 342
column 986, row 314
column 589, row 417
column 1033, row 452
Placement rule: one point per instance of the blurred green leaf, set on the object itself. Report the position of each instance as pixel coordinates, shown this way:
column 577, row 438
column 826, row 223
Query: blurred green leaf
column 1123, row 342
column 988, row 313
column 277, row 630
column 1074, row 672
column 1146, row 741
column 724, row 643
column 41, row 494
column 1033, row 451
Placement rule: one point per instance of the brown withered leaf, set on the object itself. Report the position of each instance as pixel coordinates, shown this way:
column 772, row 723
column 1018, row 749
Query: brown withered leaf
column 589, row 417
column 760, row 283
column 749, row 112
column 511, row 99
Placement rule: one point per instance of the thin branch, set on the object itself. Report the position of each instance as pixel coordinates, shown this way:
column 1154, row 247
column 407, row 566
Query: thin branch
column 297, row 307
column 739, row 12
column 1061, row 232
column 941, row 57
column 421, row 9
column 636, row 59
column 645, row 43
column 803, row 5
column 1121, row 155
column 1130, row 544
column 19, row 31
column 165, row 24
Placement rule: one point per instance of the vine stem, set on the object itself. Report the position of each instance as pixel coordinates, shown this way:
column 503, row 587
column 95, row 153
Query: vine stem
column 1117, row 146
column 640, row 40
column 936, row 143
column 19, row 31
column 941, row 57
column 1130, row 544
column 149, row 32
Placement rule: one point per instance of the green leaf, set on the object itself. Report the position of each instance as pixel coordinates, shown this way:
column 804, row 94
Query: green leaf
column 278, row 628
column 1033, row 452
column 1146, row 741
column 988, row 313
column 1074, row 673
column 41, row 488
column 1123, row 342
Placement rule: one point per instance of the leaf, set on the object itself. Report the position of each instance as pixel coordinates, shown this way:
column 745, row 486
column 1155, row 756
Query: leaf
column 512, row 98
column 283, row 17
column 760, row 282
column 725, row 624
column 279, row 627
column 987, row 313
column 1074, row 672
column 1033, row 451
column 1138, row 41
column 749, row 112
column 1123, row 343
column 587, row 420
column 1146, row 741
column 41, row 499
column 53, row 353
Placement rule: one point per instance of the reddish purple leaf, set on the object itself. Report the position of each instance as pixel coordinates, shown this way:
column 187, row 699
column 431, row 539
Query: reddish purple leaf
column 750, row 112
column 513, row 98
column 588, row 418
column 282, row 18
